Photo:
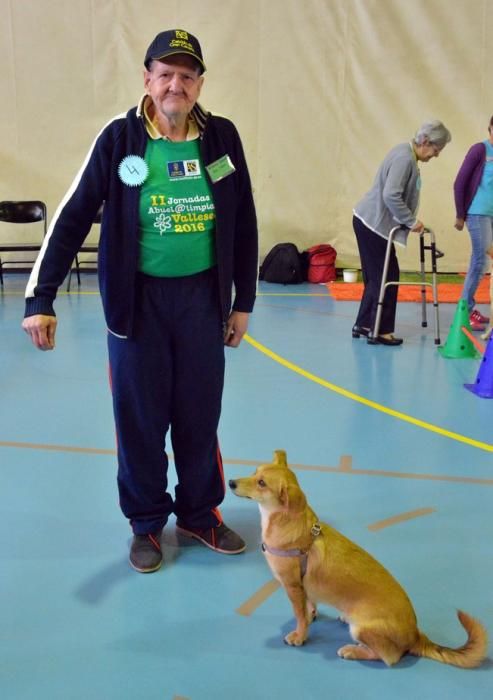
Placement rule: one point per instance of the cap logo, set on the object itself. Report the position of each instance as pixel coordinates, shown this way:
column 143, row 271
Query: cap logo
column 180, row 34
column 181, row 44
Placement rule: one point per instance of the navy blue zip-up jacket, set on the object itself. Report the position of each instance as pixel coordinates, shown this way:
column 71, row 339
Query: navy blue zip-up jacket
column 98, row 182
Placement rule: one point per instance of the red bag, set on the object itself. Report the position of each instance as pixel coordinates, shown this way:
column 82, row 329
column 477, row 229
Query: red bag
column 321, row 263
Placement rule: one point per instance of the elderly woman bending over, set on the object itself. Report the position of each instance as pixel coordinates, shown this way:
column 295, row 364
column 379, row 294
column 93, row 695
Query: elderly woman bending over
column 392, row 201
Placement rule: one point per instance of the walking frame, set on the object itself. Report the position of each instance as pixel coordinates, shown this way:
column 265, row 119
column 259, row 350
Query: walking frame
column 435, row 253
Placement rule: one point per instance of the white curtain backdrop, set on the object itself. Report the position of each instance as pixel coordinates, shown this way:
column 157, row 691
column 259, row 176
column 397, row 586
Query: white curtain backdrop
column 320, row 90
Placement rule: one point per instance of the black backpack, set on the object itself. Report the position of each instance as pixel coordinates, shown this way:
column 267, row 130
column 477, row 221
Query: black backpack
column 283, row 264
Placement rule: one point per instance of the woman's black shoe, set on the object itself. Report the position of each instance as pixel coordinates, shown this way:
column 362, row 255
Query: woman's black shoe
column 381, row 340
column 359, row 330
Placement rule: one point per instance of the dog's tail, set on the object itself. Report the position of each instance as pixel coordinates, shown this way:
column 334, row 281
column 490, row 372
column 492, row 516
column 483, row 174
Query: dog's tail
column 470, row 655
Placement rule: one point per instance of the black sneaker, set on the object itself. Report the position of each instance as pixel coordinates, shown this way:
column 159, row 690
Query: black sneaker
column 145, row 553
column 221, row 538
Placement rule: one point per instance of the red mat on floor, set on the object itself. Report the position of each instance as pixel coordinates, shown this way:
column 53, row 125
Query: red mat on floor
column 447, row 293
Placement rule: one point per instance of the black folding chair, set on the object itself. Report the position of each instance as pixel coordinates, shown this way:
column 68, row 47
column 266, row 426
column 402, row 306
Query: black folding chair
column 21, row 212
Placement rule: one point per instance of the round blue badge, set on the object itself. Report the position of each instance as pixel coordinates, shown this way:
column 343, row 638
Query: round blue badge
column 133, row 171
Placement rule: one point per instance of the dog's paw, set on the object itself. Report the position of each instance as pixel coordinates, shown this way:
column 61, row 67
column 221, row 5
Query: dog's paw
column 357, row 651
column 349, row 651
column 294, row 639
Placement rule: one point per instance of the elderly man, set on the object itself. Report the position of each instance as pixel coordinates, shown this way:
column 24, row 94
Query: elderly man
column 178, row 231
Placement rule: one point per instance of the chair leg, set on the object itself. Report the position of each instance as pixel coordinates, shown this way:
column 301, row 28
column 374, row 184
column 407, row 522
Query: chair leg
column 75, row 269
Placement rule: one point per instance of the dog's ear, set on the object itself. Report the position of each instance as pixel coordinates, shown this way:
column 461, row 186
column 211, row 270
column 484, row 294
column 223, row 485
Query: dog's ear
column 283, row 494
column 291, row 497
column 280, row 458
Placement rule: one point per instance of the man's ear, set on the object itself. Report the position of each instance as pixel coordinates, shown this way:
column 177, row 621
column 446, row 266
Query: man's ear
column 280, row 458
column 147, row 78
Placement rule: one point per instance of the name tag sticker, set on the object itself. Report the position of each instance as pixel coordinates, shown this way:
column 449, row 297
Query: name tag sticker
column 220, row 168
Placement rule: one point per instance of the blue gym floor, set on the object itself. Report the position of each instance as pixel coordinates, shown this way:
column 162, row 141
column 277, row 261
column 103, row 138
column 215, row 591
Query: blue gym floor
column 387, row 444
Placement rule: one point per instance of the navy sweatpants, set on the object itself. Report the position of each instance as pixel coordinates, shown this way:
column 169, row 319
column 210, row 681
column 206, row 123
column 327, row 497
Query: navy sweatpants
column 372, row 249
column 170, row 375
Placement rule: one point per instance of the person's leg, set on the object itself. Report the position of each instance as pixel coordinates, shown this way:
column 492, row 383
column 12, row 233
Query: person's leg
column 362, row 233
column 198, row 347
column 487, row 334
column 488, row 265
column 480, row 232
column 387, row 323
column 196, row 408
column 372, row 249
column 141, row 378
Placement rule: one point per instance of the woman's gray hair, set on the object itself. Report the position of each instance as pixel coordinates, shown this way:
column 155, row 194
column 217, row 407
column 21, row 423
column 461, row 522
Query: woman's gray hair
column 434, row 132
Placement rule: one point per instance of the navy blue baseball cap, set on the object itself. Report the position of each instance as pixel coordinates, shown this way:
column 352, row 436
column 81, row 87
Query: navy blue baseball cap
column 173, row 42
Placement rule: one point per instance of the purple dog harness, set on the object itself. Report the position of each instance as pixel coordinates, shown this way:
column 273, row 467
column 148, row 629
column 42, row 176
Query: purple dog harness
column 301, row 553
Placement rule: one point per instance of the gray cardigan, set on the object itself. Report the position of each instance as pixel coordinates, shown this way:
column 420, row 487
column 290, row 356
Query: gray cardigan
column 394, row 197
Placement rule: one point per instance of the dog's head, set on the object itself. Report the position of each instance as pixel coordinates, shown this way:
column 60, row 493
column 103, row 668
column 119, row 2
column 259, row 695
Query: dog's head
column 274, row 486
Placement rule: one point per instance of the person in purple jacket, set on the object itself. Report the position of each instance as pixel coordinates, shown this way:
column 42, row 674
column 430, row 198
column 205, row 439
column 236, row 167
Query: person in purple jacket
column 473, row 193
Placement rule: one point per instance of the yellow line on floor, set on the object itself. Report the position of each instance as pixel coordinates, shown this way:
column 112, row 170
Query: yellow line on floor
column 57, row 448
column 344, row 467
column 367, row 402
column 250, row 605
column 399, row 475
column 388, row 522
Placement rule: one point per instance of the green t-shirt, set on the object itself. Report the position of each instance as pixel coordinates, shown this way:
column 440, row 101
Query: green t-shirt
column 177, row 217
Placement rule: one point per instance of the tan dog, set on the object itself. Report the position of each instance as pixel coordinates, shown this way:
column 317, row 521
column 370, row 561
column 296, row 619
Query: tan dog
column 315, row 563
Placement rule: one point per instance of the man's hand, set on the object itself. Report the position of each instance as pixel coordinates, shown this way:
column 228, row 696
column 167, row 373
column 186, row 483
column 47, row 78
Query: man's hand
column 236, row 327
column 459, row 224
column 42, row 330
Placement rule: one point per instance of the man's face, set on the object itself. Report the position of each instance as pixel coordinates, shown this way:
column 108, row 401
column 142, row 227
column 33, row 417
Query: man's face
column 173, row 85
